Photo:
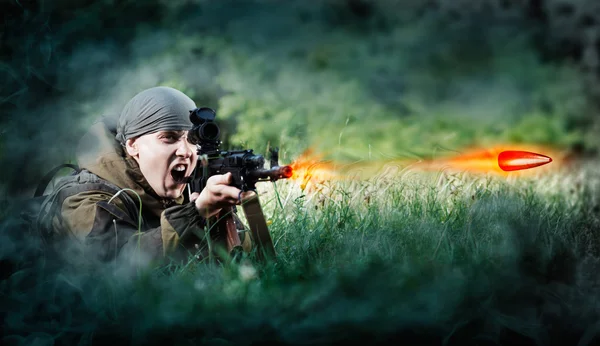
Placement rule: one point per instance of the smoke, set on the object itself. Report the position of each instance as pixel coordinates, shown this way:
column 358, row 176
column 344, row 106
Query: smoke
column 317, row 71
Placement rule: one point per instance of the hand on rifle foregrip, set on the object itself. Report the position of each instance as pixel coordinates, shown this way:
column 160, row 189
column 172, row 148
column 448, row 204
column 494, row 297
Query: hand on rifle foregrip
column 217, row 194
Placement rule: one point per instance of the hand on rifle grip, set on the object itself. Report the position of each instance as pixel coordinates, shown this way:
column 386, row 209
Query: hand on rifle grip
column 217, row 194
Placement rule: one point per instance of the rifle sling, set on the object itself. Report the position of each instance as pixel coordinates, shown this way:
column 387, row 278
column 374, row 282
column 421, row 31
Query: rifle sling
column 258, row 228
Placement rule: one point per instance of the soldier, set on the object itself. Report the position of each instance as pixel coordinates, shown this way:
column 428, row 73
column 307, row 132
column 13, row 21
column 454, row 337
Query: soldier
column 147, row 157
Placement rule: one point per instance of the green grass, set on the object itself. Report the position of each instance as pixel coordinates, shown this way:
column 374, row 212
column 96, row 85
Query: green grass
column 457, row 256
column 453, row 256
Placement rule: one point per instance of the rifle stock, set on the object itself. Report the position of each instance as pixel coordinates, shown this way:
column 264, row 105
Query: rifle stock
column 228, row 232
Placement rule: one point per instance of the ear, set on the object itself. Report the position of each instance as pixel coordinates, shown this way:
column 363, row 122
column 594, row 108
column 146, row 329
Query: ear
column 131, row 146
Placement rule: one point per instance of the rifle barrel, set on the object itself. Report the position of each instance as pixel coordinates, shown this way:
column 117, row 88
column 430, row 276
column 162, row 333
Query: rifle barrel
column 272, row 174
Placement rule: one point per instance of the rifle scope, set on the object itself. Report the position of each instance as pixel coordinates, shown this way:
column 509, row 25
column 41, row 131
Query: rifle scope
column 205, row 130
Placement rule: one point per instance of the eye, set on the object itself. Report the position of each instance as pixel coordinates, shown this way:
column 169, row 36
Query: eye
column 169, row 138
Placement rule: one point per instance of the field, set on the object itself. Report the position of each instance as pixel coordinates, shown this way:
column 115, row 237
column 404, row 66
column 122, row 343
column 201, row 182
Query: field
column 434, row 258
column 386, row 241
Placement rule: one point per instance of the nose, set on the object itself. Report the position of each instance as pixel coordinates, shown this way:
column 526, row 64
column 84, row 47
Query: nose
column 184, row 149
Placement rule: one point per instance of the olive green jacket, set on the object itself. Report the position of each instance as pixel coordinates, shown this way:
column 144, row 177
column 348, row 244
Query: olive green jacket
column 108, row 228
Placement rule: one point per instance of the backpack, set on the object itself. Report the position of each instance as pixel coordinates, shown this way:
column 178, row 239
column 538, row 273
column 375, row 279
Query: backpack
column 40, row 210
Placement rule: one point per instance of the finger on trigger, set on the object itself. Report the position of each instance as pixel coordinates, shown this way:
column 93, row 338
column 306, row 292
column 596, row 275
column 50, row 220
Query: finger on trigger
column 230, row 192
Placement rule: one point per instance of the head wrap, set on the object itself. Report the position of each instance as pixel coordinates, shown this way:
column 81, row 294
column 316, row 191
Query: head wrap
column 152, row 110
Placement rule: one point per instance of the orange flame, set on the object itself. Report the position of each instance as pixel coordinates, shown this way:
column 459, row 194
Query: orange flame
column 310, row 169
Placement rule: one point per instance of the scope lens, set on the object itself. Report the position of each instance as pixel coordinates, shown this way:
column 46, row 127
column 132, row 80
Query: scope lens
column 209, row 131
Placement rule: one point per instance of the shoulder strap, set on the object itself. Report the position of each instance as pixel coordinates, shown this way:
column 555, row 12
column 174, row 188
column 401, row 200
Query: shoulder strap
column 73, row 190
column 48, row 177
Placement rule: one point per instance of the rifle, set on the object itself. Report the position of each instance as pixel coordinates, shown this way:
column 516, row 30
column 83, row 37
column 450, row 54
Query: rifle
column 246, row 169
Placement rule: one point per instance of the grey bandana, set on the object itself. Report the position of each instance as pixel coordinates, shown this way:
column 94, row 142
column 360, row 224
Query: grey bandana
column 152, row 110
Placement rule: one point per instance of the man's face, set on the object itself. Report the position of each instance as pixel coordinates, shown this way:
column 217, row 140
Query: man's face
column 166, row 160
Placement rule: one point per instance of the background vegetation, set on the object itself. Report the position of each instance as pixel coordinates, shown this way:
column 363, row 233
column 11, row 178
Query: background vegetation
column 439, row 257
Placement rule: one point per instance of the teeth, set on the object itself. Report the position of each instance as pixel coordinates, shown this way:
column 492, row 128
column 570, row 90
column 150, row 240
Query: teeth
column 179, row 168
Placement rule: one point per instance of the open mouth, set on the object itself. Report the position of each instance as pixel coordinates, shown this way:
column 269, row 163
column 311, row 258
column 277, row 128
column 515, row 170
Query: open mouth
column 178, row 174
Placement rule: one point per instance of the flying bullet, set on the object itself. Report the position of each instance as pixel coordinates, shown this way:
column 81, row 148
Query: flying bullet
column 514, row 160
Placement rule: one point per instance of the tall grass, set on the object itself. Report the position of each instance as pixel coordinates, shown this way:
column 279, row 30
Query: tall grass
column 432, row 258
